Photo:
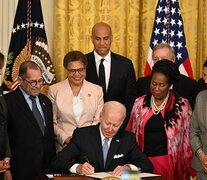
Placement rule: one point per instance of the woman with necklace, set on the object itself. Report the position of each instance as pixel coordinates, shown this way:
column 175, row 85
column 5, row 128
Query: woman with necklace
column 161, row 123
column 76, row 102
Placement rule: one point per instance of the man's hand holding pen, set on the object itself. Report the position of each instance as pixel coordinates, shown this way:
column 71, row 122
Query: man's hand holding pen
column 85, row 169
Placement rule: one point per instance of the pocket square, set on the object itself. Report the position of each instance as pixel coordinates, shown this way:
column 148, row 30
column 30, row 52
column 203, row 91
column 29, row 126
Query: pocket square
column 118, row 156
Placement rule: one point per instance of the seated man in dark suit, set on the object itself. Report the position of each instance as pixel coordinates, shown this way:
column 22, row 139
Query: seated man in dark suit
column 185, row 87
column 117, row 75
column 88, row 147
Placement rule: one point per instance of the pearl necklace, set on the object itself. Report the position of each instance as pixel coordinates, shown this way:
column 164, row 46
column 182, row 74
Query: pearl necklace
column 156, row 109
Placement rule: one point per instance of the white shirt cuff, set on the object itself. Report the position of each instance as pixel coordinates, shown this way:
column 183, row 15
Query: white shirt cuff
column 133, row 167
column 73, row 168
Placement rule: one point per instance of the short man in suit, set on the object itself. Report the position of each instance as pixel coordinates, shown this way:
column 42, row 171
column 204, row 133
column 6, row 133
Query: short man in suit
column 185, row 87
column 31, row 138
column 86, row 152
column 119, row 82
column 4, row 148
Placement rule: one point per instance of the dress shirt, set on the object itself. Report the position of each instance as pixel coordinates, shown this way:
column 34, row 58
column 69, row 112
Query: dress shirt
column 106, row 63
column 77, row 106
column 29, row 102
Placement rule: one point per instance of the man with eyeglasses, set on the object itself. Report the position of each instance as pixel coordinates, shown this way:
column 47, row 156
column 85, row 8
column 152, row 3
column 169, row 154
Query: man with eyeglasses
column 30, row 125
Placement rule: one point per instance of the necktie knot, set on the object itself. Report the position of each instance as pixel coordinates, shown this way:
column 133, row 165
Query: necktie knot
column 32, row 98
column 102, row 60
column 106, row 140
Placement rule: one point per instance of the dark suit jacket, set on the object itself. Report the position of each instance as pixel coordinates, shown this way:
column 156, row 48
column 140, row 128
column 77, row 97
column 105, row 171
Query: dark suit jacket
column 4, row 146
column 86, row 143
column 31, row 150
column 122, row 81
column 185, row 87
column 201, row 85
column 3, row 123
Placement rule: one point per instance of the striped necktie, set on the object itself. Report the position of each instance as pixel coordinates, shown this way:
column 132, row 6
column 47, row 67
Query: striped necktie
column 37, row 114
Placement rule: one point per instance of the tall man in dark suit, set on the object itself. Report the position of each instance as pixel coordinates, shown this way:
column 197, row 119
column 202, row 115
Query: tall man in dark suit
column 31, row 138
column 119, row 76
column 103, row 147
column 185, row 87
column 4, row 146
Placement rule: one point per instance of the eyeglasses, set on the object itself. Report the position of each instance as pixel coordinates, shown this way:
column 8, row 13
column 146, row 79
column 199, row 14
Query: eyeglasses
column 73, row 71
column 34, row 83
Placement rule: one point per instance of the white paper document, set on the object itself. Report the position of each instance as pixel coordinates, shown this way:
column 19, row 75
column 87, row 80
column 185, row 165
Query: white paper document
column 101, row 175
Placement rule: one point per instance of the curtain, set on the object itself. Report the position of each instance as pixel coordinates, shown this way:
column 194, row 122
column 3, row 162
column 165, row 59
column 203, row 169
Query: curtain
column 131, row 21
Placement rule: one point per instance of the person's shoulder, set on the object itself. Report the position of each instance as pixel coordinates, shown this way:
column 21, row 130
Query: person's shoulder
column 85, row 130
column 58, row 85
column 142, row 79
column 120, row 57
column 11, row 94
column 127, row 135
column 186, row 79
column 90, row 54
column 202, row 94
column 91, row 85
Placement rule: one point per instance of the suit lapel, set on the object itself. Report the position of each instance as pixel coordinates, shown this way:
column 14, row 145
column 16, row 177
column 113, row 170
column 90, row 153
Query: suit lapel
column 91, row 69
column 3, row 108
column 113, row 73
column 44, row 109
column 114, row 146
column 98, row 146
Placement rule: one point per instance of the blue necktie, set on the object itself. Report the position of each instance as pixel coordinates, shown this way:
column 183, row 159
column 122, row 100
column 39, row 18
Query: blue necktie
column 37, row 114
column 105, row 149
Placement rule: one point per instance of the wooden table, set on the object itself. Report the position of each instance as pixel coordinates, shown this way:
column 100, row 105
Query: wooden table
column 79, row 177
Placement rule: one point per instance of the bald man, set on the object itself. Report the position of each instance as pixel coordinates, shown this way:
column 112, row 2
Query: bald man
column 85, row 147
column 120, row 80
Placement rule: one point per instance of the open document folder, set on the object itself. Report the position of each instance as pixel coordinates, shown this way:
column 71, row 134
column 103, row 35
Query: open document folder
column 102, row 175
column 109, row 176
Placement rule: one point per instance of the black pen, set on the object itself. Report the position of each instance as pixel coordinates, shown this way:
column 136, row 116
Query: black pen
column 86, row 159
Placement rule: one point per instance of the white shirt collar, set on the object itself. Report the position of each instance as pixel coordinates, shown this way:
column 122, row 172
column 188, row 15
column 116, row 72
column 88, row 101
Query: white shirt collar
column 102, row 136
column 98, row 57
